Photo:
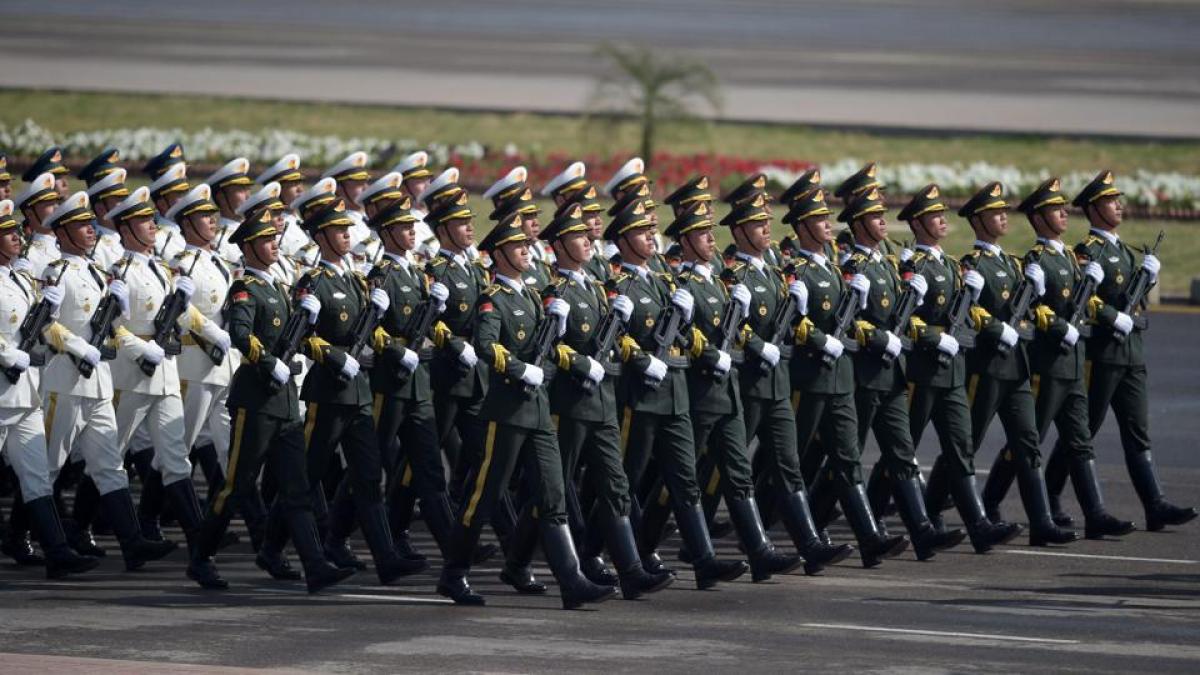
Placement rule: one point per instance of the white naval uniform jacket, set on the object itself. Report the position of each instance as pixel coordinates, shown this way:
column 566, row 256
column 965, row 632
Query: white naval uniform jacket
column 149, row 282
column 213, row 278
column 83, row 284
column 230, row 252
column 108, row 251
column 168, row 241
column 17, row 297
column 43, row 250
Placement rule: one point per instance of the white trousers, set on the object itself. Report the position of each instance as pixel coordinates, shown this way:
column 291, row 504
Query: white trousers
column 206, row 419
column 163, row 416
column 89, row 426
column 23, row 442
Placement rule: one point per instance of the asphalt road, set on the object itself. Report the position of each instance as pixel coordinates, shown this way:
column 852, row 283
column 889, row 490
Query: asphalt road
column 1124, row 67
column 1119, row 605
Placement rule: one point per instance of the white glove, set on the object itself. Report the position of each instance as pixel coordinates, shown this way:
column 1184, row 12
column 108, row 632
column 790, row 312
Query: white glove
column 595, row 370
column 409, row 359
column 53, row 295
column 533, row 375
column 120, row 291
column 906, row 254
column 215, row 335
column 974, row 281
column 186, row 286
column 657, row 370
column 1095, row 271
column 1151, row 264
column 1072, row 336
column 350, row 368
column 312, row 305
column 623, row 306
column 724, row 361
column 280, row 372
column 893, row 346
column 467, row 355
column 770, row 353
column 833, row 347
column 21, row 265
column 919, row 286
column 799, row 293
column 14, row 358
column 947, row 344
column 741, row 295
column 381, row 300
column 440, row 294
column 682, row 299
column 1036, row 276
column 862, row 284
column 561, row 309
column 83, row 351
column 1123, row 323
column 1008, row 335
column 152, row 353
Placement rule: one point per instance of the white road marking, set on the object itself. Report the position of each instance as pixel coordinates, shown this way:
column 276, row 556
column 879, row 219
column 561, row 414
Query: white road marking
column 1120, row 558
column 938, row 633
column 362, row 596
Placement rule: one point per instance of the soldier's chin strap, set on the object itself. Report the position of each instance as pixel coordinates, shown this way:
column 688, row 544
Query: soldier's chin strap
column 866, row 232
column 919, row 222
column 133, row 233
column 1099, row 215
column 507, row 261
column 977, row 223
column 566, row 252
column 196, row 231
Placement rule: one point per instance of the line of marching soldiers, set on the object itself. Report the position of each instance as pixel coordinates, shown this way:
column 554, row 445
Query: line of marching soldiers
column 349, row 341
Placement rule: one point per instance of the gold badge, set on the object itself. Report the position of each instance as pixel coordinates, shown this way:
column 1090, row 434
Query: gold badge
column 344, row 316
column 12, row 319
column 276, row 322
column 214, row 298
column 941, row 299
column 462, row 307
column 1066, row 292
column 716, row 321
column 826, row 304
column 762, row 310
column 1120, row 278
column 649, row 322
column 586, row 327
column 407, row 310
column 87, row 307
column 149, row 305
column 521, row 334
column 885, row 302
column 1004, row 294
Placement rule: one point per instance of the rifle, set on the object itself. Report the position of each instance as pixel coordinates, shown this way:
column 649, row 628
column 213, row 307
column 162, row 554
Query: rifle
column 363, row 330
column 214, row 353
column 40, row 316
column 1136, row 291
column 1019, row 306
column 417, row 328
column 294, row 331
column 166, row 332
column 666, row 331
column 543, row 341
column 843, row 317
column 731, row 322
column 107, row 311
column 610, row 328
column 906, row 305
column 958, row 324
column 1083, row 290
column 780, row 324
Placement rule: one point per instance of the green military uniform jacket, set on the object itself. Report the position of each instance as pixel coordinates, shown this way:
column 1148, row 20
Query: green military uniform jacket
column 597, row 266
column 870, row 370
column 810, row 374
column 1119, row 263
column 923, row 366
column 768, row 292
column 343, row 297
column 1048, row 356
column 258, row 311
column 708, row 393
column 405, row 285
column 1002, row 275
column 589, row 305
column 466, row 283
column 651, row 294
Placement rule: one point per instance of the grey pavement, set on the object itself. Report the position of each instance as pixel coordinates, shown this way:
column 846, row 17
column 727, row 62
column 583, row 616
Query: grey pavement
column 1115, row 606
column 1120, row 67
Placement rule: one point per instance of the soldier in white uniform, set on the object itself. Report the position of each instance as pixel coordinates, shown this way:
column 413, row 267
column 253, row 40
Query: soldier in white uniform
column 5, row 178
column 103, row 195
column 166, row 189
column 414, row 168
column 375, row 198
column 286, row 172
column 285, row 270
column 352, row 177
column 78, row 408
column 230, row 189
column 630, row 176
column 145, row 371
column 50, row 162
column 36, row 201
column 205, row 364
column 319, row 195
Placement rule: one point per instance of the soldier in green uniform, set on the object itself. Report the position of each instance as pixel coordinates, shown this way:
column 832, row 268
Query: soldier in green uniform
column 716, row 403
column 937, row 373
column 519, row 428
column 998, row 367
column 764, row 378
column 518, row 198
column 592, row 214
column 265, row 410
column 1115, row 370
column 640, row 194
column 684, row 198
column 862, row 181
column 585, row 409
column 801, row 187
column 747, row 191
column 1056, row 359
column 655, row 420
column 822, row 380
column 338, row 397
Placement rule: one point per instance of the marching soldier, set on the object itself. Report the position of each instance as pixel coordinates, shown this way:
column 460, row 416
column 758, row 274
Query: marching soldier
column 416, row 175
column 6, row 191
column 937, row 373
column 79, row 408
column 230, row 187
column 50, row 162
column 292, row 239
column 352, row 177
column 104, row 194
column 519, row 428
column 880, row 397
column 37, row 200
column 822, row 381
column 587, row 414
column 22, row 427
column 998, row 369
column 285, row 269
column 510, row 194
column 592, row 213
column 167, row 189
column 267, row 429
column 858, row 184
column 1056, row 361
column 1116, row 361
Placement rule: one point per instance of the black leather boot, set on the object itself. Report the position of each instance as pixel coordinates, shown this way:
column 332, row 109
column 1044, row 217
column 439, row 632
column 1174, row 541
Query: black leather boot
column 453, row 581
column 340, row 525
column 81, row 523
column 635, row 581
column 203, row 537
column 61, row 560
column 16, row 543
column 873, row 547
column 926, row 539
column 937, row 492
column 136, row 549
column 1042, row 529
column 214, row 477
column 1159, row 512
column 999, row 480
column 797, row 518
column 389, row 566
column 1058, row 469
column 1098, row 522
column 879, row 493
column 522, row 544
column 764, row 559
column 574, row 588
column 400, row 508
column 153, row 500
column 654, row 518
column 319, row 573
column 983, row 532
column 269, row 558
column 694, row 532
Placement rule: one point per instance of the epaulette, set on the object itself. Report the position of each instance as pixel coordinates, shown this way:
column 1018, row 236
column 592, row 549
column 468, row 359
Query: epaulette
column 973, row 253
column 919, row 255
column 61, row 262
column 495, row 288
column 247, row 280
column 728, row 275
column 558, row 280
column 438, row 260
column 613, row 281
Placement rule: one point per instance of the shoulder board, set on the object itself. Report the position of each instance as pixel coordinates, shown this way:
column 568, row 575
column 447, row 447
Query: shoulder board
column 437, row 261
column 665, row 276
column 315, row 273
column 612, row 283
column 1093, row 240
column 496, row 288
column 558, row 280
column 919, row 255
column 55, row 264
column 728, row 275
column 973, row 253
column 249, row 280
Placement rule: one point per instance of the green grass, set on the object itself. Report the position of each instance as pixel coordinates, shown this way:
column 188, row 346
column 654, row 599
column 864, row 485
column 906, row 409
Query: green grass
column 61, row 111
